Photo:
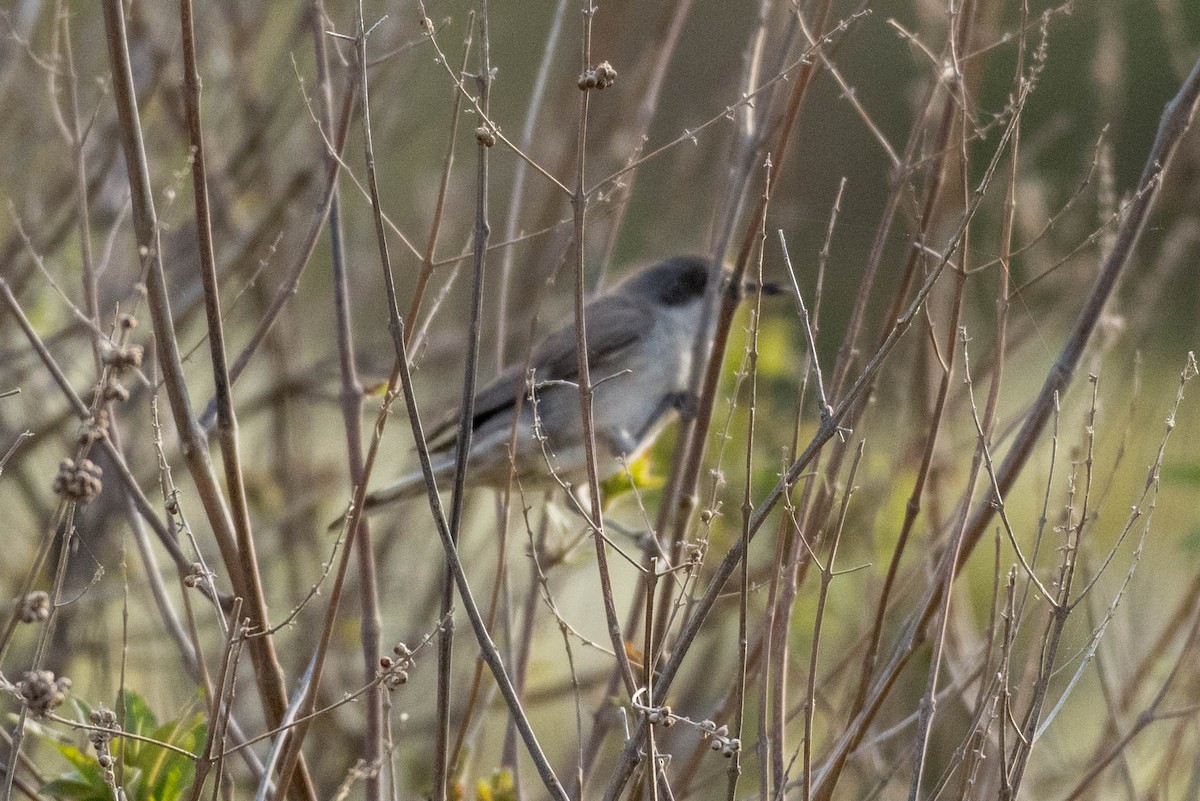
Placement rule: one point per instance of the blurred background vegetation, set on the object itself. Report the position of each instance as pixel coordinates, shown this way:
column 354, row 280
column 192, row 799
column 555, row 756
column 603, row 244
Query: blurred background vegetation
column 1105, row 70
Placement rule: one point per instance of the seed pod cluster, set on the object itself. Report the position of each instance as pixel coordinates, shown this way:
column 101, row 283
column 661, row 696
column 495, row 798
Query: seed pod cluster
column 78, row 482
column 42, row 692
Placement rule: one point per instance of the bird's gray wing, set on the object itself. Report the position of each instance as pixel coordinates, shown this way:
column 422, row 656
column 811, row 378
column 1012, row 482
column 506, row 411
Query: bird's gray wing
column 614, row 322
column 496, row 396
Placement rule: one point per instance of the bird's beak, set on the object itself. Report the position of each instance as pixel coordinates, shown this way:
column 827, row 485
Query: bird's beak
column 768, row 289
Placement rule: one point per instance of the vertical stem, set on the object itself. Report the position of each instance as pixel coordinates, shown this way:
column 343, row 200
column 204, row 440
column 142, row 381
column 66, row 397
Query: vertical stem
column 465, row 421
column 226, row 419
column 91, row 303
column 735, row 762
column 928, row 704
column 827, row 575
column 352, row 409
column 291, row 753
column 579, row 209
column 648, row 680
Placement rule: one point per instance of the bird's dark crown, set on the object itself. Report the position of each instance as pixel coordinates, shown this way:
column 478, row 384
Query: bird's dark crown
column 673, row 282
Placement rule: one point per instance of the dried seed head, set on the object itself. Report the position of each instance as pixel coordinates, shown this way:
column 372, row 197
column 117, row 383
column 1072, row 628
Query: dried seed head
column 42, row 692
column 395, row 679
column 194, row 576
column 606, row 76
column 601, row 76
column 106, row 722
column 78, row 482
column 114, row 390
column 35, row 607
column 120, row 357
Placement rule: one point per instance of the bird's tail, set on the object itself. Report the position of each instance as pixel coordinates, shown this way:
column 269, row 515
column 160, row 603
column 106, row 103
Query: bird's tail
column 407, row 486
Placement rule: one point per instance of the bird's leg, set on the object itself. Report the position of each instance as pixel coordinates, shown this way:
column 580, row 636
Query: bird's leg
column 682, row 402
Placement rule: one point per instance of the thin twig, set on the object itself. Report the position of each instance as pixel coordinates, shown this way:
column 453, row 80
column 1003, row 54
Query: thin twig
column 466, row 418
column 586, row 387
column 352, row 408
column 828, row 572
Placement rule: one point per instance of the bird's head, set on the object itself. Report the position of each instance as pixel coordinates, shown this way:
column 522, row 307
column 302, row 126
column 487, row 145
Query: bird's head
column 674, row 283
column 681, row 281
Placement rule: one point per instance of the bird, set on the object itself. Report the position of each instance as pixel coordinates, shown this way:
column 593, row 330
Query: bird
column 641, row 334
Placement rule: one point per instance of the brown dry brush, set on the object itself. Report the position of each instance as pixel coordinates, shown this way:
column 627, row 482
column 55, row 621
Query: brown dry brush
column 240, row 239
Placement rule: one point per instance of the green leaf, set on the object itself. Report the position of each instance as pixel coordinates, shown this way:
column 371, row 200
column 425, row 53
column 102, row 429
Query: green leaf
column 139, row 720
column 85, row 782
column 68, row 788
column 79, row 760
column 150, row 772
column 168, row 773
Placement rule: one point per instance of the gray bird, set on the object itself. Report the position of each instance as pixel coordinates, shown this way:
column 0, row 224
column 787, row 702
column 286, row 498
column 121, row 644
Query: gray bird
column 640, row 336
